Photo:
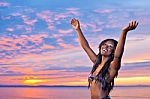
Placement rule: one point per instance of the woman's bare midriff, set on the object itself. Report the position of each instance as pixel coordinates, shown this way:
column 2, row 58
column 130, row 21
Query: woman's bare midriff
column 96, row 90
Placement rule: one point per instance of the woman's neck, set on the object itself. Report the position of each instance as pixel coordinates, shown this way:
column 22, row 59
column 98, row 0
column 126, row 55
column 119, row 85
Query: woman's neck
column 104, row 60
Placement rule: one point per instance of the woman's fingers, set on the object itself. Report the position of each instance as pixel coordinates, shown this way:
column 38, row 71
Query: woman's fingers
column 73, row 21
column 133, row 25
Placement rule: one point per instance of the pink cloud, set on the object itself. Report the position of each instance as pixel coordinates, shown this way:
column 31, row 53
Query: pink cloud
column 51, row 27
column 30, row 22
column 84, row 26
column 37, row 39
column 66, row 14
column 16, row 14
column 72, row 9
column 74, row 13
column 104, row 11
column 28, row 29
column 56, row 35
column 60, row 16
column 45, row 15
column 27, row 21
column 65, row 31
column 97, row 30
column 19, row 27
column 59, row 40
column 4, row 4
column 9, row 43
column 9, row 29
column 66, row 46
column 45, row 46
column 113, row 24
column 91, row 25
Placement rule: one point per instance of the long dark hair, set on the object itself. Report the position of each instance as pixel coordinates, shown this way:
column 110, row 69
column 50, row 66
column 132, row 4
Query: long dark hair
column 104, row 69
column 99, row 56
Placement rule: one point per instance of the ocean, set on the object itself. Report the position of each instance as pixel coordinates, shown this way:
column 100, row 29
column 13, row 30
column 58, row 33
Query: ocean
column 70, row 93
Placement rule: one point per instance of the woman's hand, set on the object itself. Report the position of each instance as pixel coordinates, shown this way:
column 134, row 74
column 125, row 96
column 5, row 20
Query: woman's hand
column 132, row 25
column 75, row 24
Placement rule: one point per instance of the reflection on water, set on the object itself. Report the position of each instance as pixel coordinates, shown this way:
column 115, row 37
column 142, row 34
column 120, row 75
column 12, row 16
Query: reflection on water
column 131, row 93
column 70, row 93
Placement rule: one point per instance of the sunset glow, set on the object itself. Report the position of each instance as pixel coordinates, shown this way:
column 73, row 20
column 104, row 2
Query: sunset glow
column 34, row 81
column 38, row 45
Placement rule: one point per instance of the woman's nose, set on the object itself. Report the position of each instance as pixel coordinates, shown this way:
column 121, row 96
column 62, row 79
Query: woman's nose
column 106, row 46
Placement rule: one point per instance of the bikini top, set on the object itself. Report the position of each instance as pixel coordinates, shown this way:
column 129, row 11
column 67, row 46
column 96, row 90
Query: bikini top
column 103, row 80
column 102, row 77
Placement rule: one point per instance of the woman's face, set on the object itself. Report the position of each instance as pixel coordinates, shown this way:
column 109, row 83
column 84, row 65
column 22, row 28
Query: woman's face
column 107, row 48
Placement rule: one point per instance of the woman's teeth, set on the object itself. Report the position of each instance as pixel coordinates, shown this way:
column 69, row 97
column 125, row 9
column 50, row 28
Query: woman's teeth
column 105, row 50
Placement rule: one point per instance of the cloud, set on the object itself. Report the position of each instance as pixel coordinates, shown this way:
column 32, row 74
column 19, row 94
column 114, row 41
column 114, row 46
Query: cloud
column 16, row 14
column 104, row 11
column 66, row 46
column 46, row 16
column 72, row 9
column 136, row 65
column 91, row 25
column 12, row 46
column 45, row 46
column 98, row 30
column 134, row 69
column 9, row 29
column 51, row 27
column 65, row 31
column 60, row 16
column 4, row 4
column 27, row 21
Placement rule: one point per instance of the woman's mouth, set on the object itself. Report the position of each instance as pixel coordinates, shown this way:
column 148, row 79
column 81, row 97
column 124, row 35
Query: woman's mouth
column 105, row 50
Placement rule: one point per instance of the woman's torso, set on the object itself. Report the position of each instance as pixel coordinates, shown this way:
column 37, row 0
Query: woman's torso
column 96, row 88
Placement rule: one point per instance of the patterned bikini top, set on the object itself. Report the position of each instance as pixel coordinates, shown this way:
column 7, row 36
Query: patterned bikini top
column 102, row 77
column 103, row 80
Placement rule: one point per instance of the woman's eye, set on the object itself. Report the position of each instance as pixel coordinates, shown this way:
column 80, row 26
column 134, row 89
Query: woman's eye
column 110, row 46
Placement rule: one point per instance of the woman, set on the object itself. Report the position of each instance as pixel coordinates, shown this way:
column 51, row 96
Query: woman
column 106, row 63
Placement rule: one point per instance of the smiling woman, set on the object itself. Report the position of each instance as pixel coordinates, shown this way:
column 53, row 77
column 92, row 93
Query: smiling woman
column 106, row 63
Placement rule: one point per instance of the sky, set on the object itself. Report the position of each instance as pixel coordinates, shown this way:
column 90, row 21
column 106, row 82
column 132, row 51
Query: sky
column 38, row 45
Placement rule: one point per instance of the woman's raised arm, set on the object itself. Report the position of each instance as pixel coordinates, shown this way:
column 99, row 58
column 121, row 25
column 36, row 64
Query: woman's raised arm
column 120, row 47
column 115, row 64
column 84, row 43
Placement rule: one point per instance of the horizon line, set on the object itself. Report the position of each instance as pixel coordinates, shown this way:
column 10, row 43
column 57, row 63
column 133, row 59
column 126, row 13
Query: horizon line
column 68, row 86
